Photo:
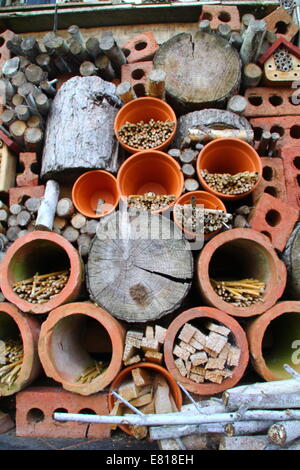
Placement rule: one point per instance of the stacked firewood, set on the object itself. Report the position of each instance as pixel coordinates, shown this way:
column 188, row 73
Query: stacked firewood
column 148, row 392
column 198, row 220
column 144, row 345
column 19, row 219
column 187, row 158
column 11, row 358
column 206, row 358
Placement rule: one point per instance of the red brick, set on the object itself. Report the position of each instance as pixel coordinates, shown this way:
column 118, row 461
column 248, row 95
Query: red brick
column 218, row 14
column 136, row 74
column 4, row 52
column 45, row 401
column 287, row 126
column 16, row 194
column 272, row 181
column 280, row 15
column 291, row 164
column 141, row 47
column 27, row 178
column 10, row 143
column 266, row 101
column 273, row 218
column 6, row 423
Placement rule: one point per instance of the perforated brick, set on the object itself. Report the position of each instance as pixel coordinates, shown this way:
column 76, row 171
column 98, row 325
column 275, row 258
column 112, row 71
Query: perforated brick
column 27, row 178
column 267, row 101
column 272, row 181
column 218, row 14
column 287, row 126
column 136, row 74
column 16, row 194
column 141, row 47
column 291, row 164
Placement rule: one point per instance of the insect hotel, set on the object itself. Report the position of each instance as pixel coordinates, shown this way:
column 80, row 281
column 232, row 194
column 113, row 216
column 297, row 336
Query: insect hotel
column 149, row 225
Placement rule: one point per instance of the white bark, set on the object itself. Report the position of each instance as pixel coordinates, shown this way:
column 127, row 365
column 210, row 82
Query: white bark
column 46, row 212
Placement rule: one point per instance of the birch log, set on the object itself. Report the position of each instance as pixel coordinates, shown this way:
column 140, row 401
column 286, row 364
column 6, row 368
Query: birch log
column 284, row 433
column 46, row 212
column 172, row 432
column 246, row 428
column 87, row 141
column 244, row 443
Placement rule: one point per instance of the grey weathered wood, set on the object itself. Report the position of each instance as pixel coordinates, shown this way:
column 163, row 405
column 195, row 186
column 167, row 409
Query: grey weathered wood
column 15, row 209
column 12, row 233
column 14, row 44
column 7, row 89
column 44, row 61
column 244, row 443
column 246, row 428
column 93, row 47
column 33, row 204
column 139, row 280
column 10, row 67
column 78, row 221
column 23, row 218
column 264, row 143
column 35, row 74
column 171, row 432
column 252, row 42
column 78, row 50
column 182, row 55
column 87, row 69
column 291, row 256
column 236, row 40
column 74, row 31
column 24, row 62
column 284, row 433
column 65, row 207
column 47, row 209
column 245, row 21
column 156, row 84
column 224, row 30
column 48, row 88
column 17, row 130
column 125, row 92
column 71, row 234
column 190, row 184
column 252, row 74
column 8, row 116
column 88, row 141
column 18, row 79
column 3, row 215
column 209, row 118
column 204, row 26
column 188, row 170
column 105, row 69
column 237, row 104
column 91, row 227
column 42, row 103
column 84, row 244
column 30, row 47
column 22, row 112
column 109, row 46
column 17, row 99
column 33, row 138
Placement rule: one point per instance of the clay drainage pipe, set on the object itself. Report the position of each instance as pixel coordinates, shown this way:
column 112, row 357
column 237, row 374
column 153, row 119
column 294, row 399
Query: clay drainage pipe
column 66, row 348
column 198, row 317
column 274, row 340
column 239, row 254
column 41, row 252
column 15, row 325
column 151, row 367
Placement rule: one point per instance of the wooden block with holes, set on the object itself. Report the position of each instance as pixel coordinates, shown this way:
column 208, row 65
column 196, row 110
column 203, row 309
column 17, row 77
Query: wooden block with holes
column 281, row 63
column 8, row 163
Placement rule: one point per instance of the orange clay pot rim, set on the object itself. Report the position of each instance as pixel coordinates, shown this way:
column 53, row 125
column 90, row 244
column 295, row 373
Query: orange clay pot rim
column 45, row 341
column 219, row 241
column 157, row 153
column 195, row 234
column 133, row 103
column 217, row 193
column 235, row 329
column 75, row 265
column 77, row 182
column 176, row 392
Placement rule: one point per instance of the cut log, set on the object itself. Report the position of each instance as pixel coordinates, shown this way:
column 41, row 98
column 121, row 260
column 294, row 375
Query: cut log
column 156, row 282
column 3, row 215
column 12, row 233
column 65, row 208
column 35, row 121
column 247, row 428
column 78, row 221
column 35, row 74
column 33, row 138
column 252, row 75
column 105, row 69
column 93, row 47
column 190, row 184
column 47, row 87
column 218, row 70
column 22, row 112
column 224, row 31
column 42, row 103
column 17, row 130
column 17, row 99
column 87, row 69
column 91, row 227
column 284, row 433
column 46, row 212
column 30, row 47
column 253, row 39
column 10, row 67
column 236, row 40
column 244, row 443
column 8, row 117
column 70, row 234
column 110, row 48
column 156, row 84
column 125, row 92
column 32, row 204
column 237, row 104
column 204, row 26
column 72, row 145
column 23, row 218
column 18, row 79
column 44, row 61
column 84, row 244
column 74, row 31
column 292, row 261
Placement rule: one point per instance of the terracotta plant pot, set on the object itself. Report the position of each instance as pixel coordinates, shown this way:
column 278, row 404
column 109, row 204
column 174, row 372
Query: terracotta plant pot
column 176, row 392
column 144, row 109
column 15, row 324
column 274, row 340
column 153, row 171
column 65, row 350
column 92, row 186
column 197, row 314
column 228, row 156
column 209, row 201
column 42, row 252
column 238, row 254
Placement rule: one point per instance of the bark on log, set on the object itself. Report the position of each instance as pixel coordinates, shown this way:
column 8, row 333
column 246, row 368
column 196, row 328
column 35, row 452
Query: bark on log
column 291, row 256
column 33, row 138
column 105, row 68
column 214, row 118
column 218, row 69
column 139, row 280
column 87, row 142
column 46, row 212
column 18, row 79
column 171, row 432
column 125, row 92
column 284, row 433
column 252, row 74
column 253, row 39
column 244, row 443
column 246, row 428
column 110, row 48
column 74, row 31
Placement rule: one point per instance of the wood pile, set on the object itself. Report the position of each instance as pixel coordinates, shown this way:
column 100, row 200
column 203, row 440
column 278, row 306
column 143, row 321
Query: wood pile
column 144, row 345
column 205, row 357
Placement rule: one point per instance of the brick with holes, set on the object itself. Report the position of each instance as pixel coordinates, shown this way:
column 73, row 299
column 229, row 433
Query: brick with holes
column 35, row 407
column 16, row 195
column 273, row 218
column 221, row 14
column 273, row 181
column 140, row 48
column 27, row 178
column 280, row 22
column 288, row 127
column 291, row 164
column 271, row 101
column 136, row 74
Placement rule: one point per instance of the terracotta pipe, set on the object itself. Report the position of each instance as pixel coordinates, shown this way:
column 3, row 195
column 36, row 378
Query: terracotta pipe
column 64, row 351
column 144, row 109
column 241, row 253
column 176, row 392
column 240, row 340
column 42, row 252
column 14, row 323
column 274, row 340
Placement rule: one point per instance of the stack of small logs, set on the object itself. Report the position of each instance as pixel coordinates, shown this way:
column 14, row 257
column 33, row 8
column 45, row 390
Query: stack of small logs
column 147, row 391
column 144, row 346
column 91, row 372
column 149, row 201
column 242, row 293
column 11, row 358
column 187, row 160
column 206, row 358
column 18, row 219
column 199, row 220
column 39, row 289
column 231, row 184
